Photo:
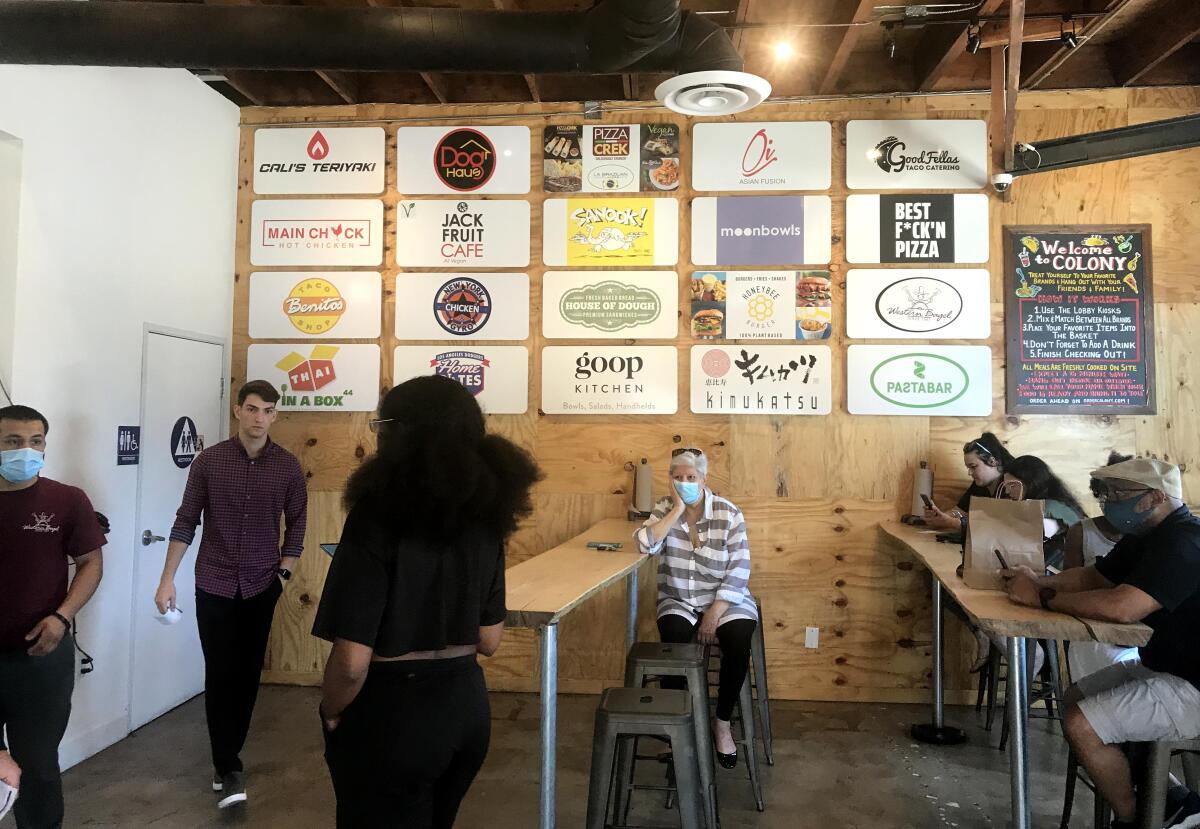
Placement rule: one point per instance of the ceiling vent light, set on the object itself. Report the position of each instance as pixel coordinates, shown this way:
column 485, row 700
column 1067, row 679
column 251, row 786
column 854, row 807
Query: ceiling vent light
column 716, row 92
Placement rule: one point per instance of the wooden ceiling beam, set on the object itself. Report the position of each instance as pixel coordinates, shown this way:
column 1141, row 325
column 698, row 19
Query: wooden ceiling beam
column 941, row 46
column 862, row 13
column 1012, row 84
column 997, row 33
column 343, row 83
column 1054, row 58
column 1153, row 39
column 245, row 84
column 437, row 86
column 741, row 15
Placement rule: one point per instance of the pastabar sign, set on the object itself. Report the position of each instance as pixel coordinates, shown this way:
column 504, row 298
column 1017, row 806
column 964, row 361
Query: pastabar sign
column 610, row 305
column 761, row 379
column 465, row 233
column 462, row 160
column 319, row 378
column 341, row 232
column 762, row 156
column 941, row 154
column 919, row 380
column 497, row 375
column 321, row 161
column 916, row 228
column 761, row 230
column 462, row 306
column 610, row 232
column 598, row 379
column 918, row 304
column 288, row 305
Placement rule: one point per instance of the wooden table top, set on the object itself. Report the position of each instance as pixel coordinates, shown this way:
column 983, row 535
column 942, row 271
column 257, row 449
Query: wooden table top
column 543, row 589
column 992, row 610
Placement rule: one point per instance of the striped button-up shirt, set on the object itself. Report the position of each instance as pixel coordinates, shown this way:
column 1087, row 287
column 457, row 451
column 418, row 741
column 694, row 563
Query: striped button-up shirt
column 241, row 499
column 690, row 578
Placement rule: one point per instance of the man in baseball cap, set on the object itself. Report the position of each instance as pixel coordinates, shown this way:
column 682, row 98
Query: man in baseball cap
column 1151, row 576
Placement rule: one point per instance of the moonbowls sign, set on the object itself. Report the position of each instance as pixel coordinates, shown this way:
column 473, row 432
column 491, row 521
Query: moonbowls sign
column 761, row 230
column 919, row 380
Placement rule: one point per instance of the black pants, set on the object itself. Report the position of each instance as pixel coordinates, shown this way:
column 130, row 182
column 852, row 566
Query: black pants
column 233, row 635
column 734, row 637
column 35, row 703
column 409, row 746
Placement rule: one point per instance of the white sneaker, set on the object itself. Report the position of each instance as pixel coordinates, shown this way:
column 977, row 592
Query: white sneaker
column 233, row 789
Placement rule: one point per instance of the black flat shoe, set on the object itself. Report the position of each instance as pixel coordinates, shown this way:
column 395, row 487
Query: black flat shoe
column 727, row 761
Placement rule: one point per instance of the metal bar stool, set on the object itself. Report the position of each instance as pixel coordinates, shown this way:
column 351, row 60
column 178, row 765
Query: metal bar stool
column 1048, row 688
column 1152, row 788
column 625, row 714
column 762, row 696
column 743, row 716
column 650, row 660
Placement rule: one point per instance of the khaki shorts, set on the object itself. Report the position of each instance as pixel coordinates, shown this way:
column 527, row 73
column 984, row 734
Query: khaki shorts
column 1129, row 703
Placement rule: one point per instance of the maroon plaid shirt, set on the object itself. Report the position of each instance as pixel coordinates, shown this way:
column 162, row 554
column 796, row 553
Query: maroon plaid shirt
column 241, row 499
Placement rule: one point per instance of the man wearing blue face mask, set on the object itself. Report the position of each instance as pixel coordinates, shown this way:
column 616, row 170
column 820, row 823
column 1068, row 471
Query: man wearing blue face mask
column 1152, row 575
column 42, row 522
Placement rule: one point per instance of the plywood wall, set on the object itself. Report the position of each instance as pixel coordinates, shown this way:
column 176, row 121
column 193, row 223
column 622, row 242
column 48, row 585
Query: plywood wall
column 813, row 488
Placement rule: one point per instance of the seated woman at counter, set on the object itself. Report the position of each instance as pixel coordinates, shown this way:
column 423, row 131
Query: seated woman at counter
column 703, row 576
column 1028, row 478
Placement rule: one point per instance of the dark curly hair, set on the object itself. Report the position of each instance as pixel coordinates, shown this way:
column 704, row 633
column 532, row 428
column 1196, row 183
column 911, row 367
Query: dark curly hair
column 437, row 462
column 1041, row 483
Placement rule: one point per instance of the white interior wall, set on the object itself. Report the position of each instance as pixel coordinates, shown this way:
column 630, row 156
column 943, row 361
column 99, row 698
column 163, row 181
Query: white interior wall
column 10, row 199
column 127, row 216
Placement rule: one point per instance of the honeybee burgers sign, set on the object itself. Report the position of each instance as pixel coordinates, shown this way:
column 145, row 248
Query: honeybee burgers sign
column 474, row 160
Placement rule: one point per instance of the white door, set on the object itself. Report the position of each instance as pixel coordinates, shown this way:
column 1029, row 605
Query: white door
column 183, row 409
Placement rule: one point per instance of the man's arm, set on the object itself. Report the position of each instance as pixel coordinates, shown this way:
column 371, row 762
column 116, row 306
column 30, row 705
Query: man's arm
column 1123, row 604
column 1076, row 580
column 187, row 518
column 164, row 598
column 295, row 513
column 49, row 632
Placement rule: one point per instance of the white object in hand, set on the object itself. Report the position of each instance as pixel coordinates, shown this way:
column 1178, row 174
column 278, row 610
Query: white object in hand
column 172, row 616
column 8, row 796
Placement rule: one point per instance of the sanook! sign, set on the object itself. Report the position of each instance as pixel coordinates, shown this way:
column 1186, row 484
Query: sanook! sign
column 761, row 230
column 497, row 375
column 895, row 155
column 785, row 155
column 346, row 232
column 761, row 379
column 467, row 306
column 610, row 232
column 918, row 304
column 468, row 160
column 610, row 158
column 320, row 378
column 328, row 160
column 470, row 233
column 610, row 305
column 596, row 379
column 306, row 304
column 917, row 228
column 919, row 380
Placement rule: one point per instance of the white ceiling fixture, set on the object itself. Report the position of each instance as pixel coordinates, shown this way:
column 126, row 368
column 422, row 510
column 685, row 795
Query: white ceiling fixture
column 717, row 92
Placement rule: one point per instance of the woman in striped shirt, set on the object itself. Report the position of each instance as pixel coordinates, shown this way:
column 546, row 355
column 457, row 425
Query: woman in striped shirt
column 703, row 575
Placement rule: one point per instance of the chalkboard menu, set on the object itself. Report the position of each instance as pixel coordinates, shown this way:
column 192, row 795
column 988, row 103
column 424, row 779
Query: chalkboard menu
column 1079, row 315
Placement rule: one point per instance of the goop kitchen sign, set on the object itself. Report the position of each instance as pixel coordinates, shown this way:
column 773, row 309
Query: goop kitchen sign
column 776, row 155
column 913, row 154
column 329, row 160
column 917, row 228
column 761, row 379
column 347, row 232
column 919, row 380
column 306, row 304
column 595, row 379
column 467, row 306
column 319, row 378
column 918, row 304
column 610, row 305
column 469, row 233
column 468, row 160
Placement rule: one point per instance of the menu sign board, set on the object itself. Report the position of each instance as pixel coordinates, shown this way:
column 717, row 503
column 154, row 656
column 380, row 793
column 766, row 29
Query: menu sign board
column 916, row 228
column 761, row 305
column 762, row 379
column 1079, row 309
column 939, row 153
column 775, row 155
column 610, row 158
column 473, row 160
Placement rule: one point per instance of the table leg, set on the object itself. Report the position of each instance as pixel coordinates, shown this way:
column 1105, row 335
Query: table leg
column 1018, row 720
column 937, row 732
column 631, row 621
column 549, row 699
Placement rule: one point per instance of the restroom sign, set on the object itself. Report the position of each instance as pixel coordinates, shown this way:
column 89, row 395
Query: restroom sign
column 186, row 442
column 128, row 445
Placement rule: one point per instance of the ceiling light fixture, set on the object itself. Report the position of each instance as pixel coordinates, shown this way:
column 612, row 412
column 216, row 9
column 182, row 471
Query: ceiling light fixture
column 973, row 38
column 716, row 92
column 784, row 50
column 1069, row 39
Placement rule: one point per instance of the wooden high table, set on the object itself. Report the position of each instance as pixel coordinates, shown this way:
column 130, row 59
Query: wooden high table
column 543, row 589
column 996, row 615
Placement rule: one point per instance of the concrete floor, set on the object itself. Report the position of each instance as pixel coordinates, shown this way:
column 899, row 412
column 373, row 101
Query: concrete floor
column 837, row 765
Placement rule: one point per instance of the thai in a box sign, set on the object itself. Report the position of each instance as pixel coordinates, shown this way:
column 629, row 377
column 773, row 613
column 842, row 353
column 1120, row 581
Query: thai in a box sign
column 916, row 228
column 342, row 232
column 602, row 379
column 919, row 380
column 497, row 375
column 462, row 306
column 761, row 230
column 610, row 158
column 757, row 155
column 918, row 304
column 610, row 232
column 610, row 305
column 464, row 233
column 333, row 377
column 939, row 154
column 318, row 160
column 762, row 379
column 315, row 305
column 462, row 160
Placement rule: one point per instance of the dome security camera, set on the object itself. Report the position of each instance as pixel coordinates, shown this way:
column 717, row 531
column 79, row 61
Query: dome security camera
column 1002, row 182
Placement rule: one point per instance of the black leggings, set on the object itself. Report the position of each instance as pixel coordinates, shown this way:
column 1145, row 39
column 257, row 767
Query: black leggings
column 734, row 637
column 409, row 746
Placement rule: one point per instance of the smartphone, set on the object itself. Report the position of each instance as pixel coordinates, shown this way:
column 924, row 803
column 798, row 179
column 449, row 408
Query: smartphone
column 606, row 546
column 1000, row 558
column 928, row 502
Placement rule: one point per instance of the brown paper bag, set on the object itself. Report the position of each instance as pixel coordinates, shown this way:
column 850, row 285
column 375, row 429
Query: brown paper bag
column 1014, row 528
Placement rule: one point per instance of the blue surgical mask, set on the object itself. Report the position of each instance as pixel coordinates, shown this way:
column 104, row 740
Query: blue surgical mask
column 1123, row 516
column 689, row 491
column 20, row 465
